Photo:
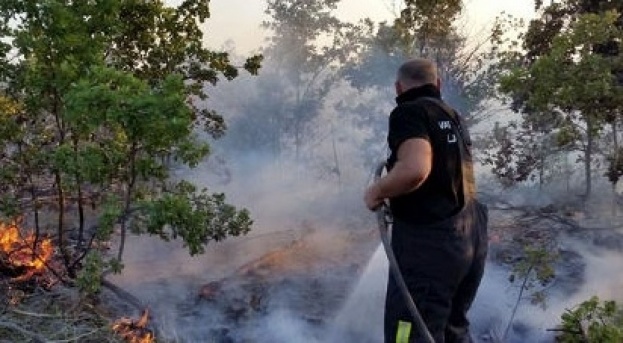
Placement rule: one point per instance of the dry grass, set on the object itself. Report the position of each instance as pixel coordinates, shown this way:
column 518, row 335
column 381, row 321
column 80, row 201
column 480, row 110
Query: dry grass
column 58, row 315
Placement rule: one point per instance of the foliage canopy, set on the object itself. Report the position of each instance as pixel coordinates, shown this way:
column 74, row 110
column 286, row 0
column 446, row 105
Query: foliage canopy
column 96, row 107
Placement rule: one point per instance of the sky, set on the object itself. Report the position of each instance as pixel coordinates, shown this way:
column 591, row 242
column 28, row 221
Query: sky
column 238, row 21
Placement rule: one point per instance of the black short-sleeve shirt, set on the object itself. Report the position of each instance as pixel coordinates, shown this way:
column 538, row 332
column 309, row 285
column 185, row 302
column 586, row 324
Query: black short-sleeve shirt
column 441, row 194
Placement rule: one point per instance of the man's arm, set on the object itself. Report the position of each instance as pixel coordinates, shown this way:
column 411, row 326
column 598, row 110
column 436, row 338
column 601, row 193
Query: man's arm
column 413, row 165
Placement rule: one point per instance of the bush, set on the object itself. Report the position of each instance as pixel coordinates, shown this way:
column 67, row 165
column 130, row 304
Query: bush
column 593, row 321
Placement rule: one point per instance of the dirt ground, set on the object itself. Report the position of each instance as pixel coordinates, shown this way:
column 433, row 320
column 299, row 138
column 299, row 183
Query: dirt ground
column 227, row 293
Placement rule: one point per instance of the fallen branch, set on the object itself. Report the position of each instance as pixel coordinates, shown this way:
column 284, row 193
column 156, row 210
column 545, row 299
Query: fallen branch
column 574, row 332
column 123, row 294
column 580, row 333
column 134, row 301
column 87, row 248
column 77, row 338
column 36, row 315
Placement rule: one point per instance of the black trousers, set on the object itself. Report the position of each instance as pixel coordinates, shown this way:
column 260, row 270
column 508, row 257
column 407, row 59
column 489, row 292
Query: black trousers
column 442, row 265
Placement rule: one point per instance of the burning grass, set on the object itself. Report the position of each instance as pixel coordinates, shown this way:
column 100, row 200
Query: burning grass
column 24, row 257
column 134, row 331
column 36, row 307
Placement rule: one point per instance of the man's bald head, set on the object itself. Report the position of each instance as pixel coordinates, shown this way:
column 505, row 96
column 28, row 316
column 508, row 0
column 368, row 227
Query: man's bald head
column 415, row 73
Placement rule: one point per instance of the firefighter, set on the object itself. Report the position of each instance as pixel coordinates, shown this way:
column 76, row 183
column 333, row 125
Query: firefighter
column 439, row 232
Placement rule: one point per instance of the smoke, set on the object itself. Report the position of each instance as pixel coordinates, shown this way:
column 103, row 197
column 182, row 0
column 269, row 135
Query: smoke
column 492, row 309
column 326, row 283
column 283, row 327
column 533, row 323
column 306, row 206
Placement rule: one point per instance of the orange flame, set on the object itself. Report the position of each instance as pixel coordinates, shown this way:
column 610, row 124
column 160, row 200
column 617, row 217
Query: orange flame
column 22, row 252
column 134, row 331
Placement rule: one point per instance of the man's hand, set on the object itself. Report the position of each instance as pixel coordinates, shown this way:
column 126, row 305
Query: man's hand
column 372, row 197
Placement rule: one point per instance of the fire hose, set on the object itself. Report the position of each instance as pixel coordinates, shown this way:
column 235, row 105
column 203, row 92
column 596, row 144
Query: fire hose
column 384, row 217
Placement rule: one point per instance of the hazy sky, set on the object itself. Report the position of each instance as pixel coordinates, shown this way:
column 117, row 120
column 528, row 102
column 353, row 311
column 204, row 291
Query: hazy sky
column 239, row 20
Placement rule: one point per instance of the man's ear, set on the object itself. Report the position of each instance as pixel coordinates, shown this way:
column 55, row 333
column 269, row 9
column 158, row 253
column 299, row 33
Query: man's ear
column 398, row 86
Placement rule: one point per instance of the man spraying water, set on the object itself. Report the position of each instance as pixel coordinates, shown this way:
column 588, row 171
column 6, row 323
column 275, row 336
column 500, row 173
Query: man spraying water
column 439, row 232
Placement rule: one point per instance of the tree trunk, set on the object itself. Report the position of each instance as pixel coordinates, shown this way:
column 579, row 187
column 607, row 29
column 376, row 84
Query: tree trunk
column 336, row 159
column 541, row 173
column 132, row 176
column 588, row 155
column 568, row 173
column 62, row 240
column 80, row 194
column 297, row 141
column 615, row 141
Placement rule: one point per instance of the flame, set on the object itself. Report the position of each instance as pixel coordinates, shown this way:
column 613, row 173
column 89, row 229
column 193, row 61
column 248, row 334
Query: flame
column 134, row 331
column 26, row 252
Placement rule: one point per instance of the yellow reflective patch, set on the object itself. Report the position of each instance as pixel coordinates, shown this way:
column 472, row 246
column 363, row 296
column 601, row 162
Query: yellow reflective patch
column 403, row 333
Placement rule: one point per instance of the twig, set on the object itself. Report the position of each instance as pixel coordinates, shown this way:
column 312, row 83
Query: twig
column 77, row 338
column 58, row 275
column 123, row 294
column 36, row 315
column 512, row 318
column 579, row 332
column 45, row 263
column 86, row 249
column 37, row 338
column 574, row 332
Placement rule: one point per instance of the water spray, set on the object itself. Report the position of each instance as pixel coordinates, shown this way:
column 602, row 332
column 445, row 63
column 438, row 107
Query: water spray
column 384, row 218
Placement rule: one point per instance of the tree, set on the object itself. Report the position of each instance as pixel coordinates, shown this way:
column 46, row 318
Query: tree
column 592, row 321
column 428, row 29
column 422, row 28
column 426, row 26
column 570, row 84
column 519, row 153
column 306, row 47
column 96, row 99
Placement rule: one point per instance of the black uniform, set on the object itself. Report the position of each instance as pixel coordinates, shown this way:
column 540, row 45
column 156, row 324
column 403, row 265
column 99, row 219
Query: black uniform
column 439, row 235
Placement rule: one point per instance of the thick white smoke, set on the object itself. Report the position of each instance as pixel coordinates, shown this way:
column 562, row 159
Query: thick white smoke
column 292, row 199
